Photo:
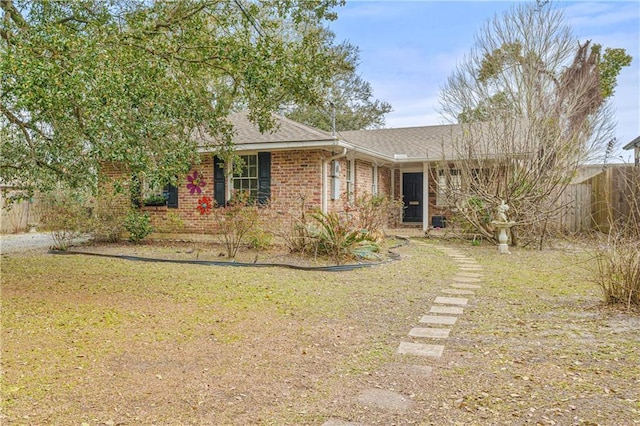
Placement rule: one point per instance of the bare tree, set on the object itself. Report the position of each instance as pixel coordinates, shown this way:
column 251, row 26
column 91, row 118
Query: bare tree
column 531, row 101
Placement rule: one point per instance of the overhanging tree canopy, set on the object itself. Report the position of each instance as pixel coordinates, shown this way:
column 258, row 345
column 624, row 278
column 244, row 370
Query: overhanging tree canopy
column 133, row 82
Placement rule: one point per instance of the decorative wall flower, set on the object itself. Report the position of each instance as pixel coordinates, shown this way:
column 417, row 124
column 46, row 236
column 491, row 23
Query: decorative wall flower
column 196, row 182
column 204, row 205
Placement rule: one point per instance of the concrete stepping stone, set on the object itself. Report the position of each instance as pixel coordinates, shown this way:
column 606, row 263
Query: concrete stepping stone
column 419, row 370
column 438, row 320
column 430, row 333
column 467, row 262
column 471, row 268
column 450, row 310
column 421, row 349
column 385, row 399
column 466, row 286
column 469, row 274
column 461, row 279
column 451, row 300
column 459, row 292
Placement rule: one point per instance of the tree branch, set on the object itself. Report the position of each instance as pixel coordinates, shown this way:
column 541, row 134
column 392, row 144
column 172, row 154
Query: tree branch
column 24, row 126
column 13, row 14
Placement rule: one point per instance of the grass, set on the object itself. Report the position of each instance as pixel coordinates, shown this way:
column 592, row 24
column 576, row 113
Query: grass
column 95, row 340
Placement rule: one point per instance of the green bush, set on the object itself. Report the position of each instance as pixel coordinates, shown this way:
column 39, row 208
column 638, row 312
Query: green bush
column 338, row 236
column 259, row 239
column 138, row 225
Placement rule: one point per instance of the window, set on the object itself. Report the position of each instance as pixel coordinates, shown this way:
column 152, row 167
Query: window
column 247, row 179
column 255, row 177
column 351, row 180
column 449, row 181
column 147, row 193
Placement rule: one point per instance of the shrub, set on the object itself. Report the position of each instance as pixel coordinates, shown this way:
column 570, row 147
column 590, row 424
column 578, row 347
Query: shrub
column 259, row 239
column 108, row 218
column 338, row 236
column 65, row 216
column 375, row 212
column 296, row 233
column 618, row 270
column 138, row 225
column 617, row 259
column 235, row 221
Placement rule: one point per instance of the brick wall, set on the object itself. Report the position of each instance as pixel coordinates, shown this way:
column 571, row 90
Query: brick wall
column 294, row 175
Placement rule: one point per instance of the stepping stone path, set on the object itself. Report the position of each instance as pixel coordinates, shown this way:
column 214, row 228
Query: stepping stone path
column 434, row 327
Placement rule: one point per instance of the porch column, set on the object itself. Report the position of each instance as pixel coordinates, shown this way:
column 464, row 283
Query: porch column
column 425, row 196
column 393, row 183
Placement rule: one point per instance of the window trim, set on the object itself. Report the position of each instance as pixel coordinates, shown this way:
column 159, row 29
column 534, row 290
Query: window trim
column 249, row 167
column 262, row 178
column 141, row 192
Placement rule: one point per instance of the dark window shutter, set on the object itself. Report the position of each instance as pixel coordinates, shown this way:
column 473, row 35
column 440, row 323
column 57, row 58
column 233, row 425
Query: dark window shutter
column 264, row 177
column 135, row 191
column 219, row 193
column 171, row 196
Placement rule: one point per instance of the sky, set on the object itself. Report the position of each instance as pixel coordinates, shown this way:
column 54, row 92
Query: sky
column 409, row 48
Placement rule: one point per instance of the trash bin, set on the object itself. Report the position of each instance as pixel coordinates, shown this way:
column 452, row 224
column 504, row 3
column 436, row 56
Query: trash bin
column 438, row 221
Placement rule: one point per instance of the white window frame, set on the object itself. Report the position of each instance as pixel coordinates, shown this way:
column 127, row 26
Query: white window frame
column 250, row 181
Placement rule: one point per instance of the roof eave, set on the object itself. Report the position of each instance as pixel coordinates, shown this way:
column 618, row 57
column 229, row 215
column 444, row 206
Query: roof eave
column 633, row 144
column 282, row 146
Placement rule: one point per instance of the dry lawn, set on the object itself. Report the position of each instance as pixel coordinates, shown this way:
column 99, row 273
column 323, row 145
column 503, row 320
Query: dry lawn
column 98, row 341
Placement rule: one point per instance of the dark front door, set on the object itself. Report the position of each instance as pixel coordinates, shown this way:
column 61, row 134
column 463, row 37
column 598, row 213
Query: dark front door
column 412, row 196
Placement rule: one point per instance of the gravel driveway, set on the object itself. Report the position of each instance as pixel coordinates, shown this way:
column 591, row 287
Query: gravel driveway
column 11, row 243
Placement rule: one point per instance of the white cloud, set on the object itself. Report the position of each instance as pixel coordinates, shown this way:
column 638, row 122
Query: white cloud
column 591, row 15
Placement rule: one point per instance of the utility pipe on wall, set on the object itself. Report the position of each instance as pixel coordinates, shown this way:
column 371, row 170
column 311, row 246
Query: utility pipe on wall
column 325, row 196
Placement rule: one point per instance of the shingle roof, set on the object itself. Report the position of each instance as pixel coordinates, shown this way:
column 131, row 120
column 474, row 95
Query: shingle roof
column 408, row 144
column 286, row 130
column 426, row 142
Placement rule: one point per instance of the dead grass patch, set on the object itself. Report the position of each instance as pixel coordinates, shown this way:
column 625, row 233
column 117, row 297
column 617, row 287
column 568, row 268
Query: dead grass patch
column 107, row 341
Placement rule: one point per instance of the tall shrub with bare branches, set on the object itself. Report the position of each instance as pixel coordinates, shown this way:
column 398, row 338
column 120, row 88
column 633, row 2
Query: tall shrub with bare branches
column 532, row 104
column 617, row 256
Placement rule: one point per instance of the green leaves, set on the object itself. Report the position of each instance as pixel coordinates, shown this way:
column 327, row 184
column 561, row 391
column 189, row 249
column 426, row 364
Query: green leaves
column 612, row 62
column 135, row 82
column 349, row 97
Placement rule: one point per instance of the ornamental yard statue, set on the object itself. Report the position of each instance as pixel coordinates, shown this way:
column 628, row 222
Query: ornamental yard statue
column 502, row 212
column 502, row 224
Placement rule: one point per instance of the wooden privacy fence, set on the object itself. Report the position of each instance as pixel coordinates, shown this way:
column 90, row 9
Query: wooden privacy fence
column 600, row 200
column 19, row 216
column 574, row 214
